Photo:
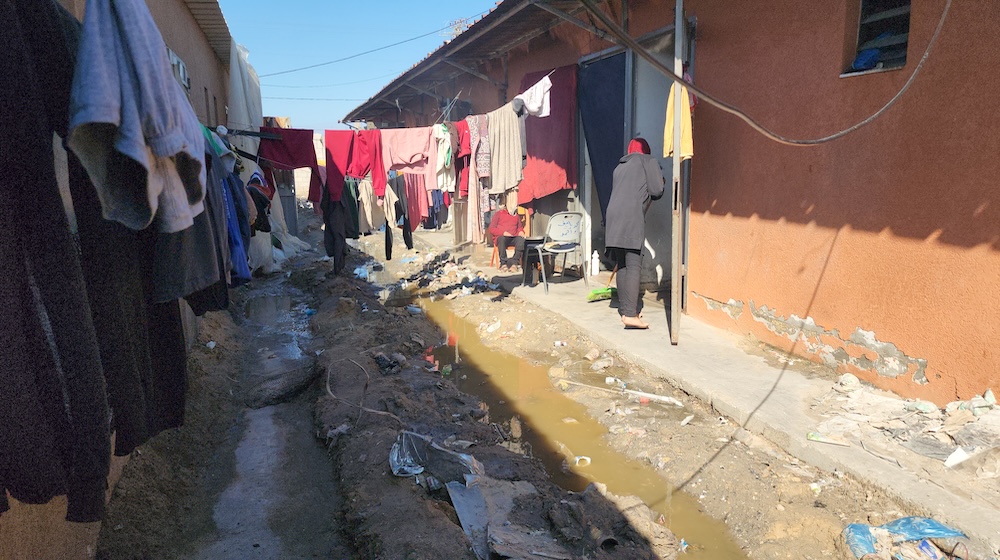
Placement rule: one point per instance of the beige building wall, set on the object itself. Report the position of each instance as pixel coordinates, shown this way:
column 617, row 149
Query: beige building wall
column 209, row 75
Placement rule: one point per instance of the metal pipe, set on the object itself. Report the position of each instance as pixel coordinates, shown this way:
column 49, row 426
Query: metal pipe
column 675, row 215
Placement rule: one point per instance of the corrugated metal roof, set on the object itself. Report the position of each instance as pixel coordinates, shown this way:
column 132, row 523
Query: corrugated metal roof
column 209, row 16
column 509, row 24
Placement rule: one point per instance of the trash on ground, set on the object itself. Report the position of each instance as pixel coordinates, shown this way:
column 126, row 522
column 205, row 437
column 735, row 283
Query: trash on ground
column 412, row 453
column 210, row 345
column 581, row 461
column 906, row 538
column 957, row 457
column 559, row 343
column 414, row 310
column 593, row 354
column 483, row 506
column 822, row 438
column 687, row 420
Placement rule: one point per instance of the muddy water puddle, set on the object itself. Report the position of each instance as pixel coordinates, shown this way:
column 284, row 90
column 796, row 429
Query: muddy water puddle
column 560, row 431
column 280, row 502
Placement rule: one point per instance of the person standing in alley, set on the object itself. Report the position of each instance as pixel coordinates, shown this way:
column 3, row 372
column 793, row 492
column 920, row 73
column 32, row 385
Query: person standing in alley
column 507, row 230
column 637, row 181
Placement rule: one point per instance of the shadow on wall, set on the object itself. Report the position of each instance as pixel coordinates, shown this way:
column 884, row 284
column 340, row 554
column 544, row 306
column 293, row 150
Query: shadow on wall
column 928, row 175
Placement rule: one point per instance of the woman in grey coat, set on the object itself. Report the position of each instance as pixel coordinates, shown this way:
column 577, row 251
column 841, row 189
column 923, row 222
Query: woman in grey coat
column 638, row 180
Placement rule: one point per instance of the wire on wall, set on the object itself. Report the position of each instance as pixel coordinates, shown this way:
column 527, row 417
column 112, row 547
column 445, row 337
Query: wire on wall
column 631, row 43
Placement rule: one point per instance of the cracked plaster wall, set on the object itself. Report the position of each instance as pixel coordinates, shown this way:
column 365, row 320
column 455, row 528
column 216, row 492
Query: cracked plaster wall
column 859, row 352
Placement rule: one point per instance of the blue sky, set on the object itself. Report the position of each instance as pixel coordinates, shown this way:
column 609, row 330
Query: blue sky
column 287, row 34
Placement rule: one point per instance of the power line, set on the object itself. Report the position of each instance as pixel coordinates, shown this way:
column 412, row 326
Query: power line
column 313, row 99
column 629, row 42
column 449, row 26
column 335, row 85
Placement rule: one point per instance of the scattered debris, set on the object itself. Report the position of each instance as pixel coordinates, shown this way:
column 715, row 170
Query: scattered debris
column 821, row 438
column 412, row 453
column 908, row 538
column 210, row 345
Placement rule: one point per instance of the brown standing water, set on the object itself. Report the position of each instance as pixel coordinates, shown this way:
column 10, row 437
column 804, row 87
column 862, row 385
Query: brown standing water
column 512, row 386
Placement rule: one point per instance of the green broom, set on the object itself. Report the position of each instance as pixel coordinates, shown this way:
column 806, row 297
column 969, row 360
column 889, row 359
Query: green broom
column 607, row 292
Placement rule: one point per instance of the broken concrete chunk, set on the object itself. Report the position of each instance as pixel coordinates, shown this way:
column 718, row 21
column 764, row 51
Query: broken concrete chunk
column 603, row 363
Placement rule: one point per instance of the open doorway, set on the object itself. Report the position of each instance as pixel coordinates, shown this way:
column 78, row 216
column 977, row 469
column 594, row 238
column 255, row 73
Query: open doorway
column 622, row 96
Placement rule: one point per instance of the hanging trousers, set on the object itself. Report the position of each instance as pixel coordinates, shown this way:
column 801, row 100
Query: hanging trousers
column 629, row 263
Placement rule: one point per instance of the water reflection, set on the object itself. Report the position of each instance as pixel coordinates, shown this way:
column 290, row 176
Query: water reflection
column 559, row 430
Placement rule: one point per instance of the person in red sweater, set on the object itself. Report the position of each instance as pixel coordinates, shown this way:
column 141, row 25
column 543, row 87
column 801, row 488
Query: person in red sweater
column 507, row 230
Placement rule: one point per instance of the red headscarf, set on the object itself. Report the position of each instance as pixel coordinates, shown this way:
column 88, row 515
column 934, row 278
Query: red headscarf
column 638, row 145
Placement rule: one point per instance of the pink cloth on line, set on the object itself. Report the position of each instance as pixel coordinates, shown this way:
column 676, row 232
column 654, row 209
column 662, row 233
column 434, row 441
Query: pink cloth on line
column 416, row 198
column 411, row 150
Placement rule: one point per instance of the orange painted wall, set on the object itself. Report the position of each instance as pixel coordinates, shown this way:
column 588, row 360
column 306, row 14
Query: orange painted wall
column 894, row 229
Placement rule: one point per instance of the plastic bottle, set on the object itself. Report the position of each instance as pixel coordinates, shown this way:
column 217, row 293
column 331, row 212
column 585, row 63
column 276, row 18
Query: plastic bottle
column 595, row 264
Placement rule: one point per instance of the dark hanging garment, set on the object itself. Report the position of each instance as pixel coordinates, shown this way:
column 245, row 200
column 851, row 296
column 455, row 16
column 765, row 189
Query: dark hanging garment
column 601, row 95
column 334, row 230
column 263, row 204
column 54, row 418
column 350, row 200
column 214, row 297
column 237, row 191
column 114, row 260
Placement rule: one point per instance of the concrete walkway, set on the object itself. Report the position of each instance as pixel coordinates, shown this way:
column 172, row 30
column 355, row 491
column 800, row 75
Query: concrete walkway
column 766, row 400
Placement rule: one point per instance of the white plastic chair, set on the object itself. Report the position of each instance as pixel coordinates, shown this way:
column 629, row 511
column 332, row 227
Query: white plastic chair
column 563, row 235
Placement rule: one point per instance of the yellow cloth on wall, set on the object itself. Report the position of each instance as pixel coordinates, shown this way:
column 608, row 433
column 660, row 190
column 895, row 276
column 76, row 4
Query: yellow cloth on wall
column 687, row 144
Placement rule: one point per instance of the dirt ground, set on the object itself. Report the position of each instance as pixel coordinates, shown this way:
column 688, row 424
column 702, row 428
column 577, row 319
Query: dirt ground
column 382, row 366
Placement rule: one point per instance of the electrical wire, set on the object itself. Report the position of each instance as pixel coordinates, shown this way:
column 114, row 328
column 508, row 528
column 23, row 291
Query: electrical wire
column 335, row 85
column 327, row 63
column 312, row 98
column 629, row 42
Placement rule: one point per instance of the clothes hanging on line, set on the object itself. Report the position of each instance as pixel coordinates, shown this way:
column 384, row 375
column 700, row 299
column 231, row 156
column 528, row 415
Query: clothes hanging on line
column 339, row 144
column 416, row 145
column 479, row 140
column 54, row 416
column 367, row 158
column 131, row 123
column 505, row 149
column 551, row 144
column 687, row 144
column 214, row 297
column 536, row 98
column 334, row 230
column 462, row 157
column 416, row 199
column 293, row 150
column 445, row 169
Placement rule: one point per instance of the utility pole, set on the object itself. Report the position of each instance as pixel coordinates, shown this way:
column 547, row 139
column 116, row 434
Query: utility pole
column 675, row 215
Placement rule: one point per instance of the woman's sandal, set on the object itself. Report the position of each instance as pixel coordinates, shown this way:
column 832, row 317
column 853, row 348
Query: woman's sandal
column 634, row 323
